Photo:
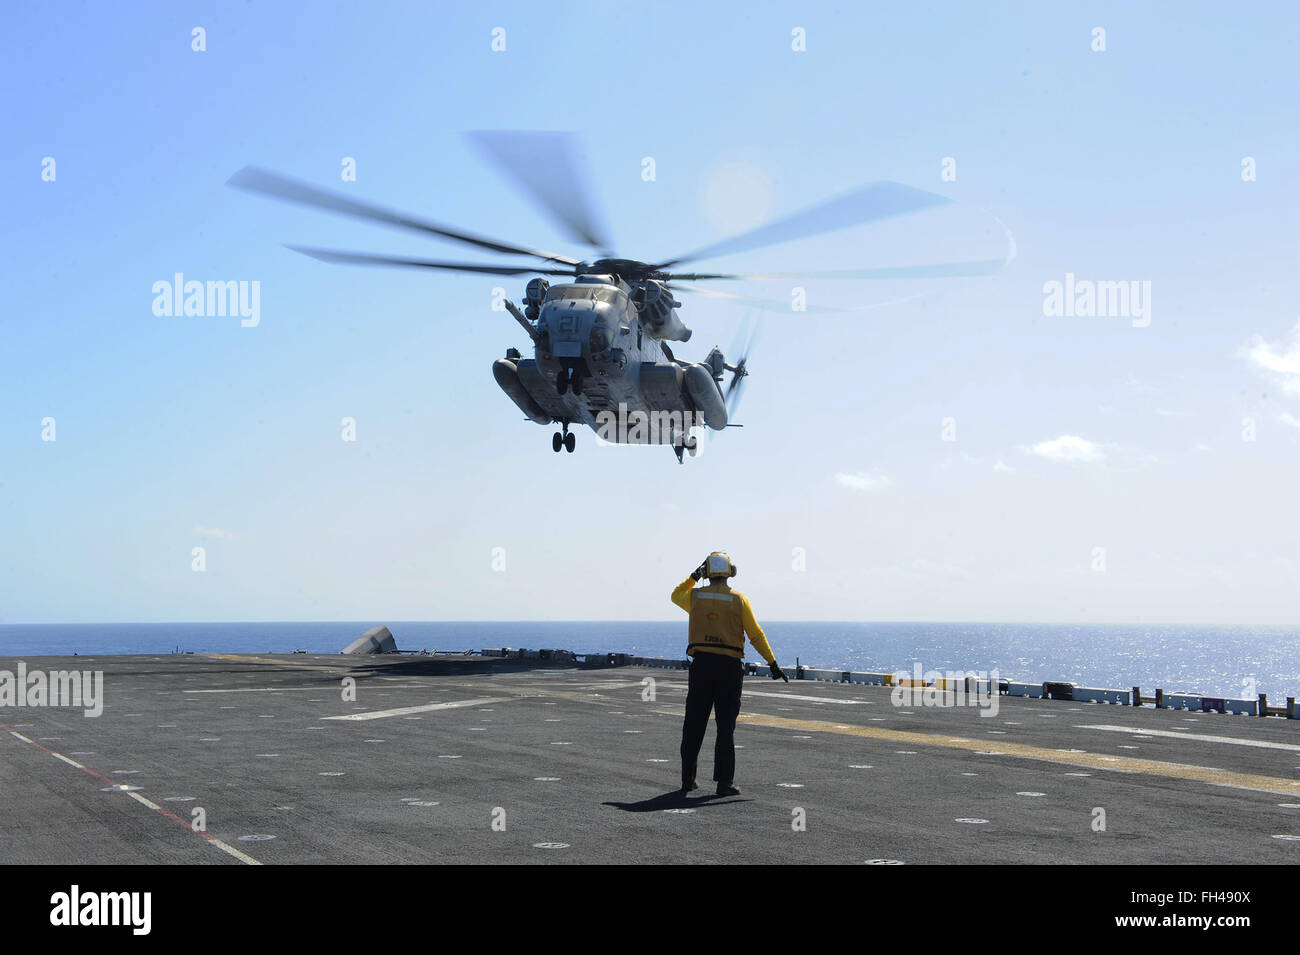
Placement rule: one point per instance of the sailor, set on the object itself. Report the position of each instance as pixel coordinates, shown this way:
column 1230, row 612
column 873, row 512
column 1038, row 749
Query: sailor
column 720, row 620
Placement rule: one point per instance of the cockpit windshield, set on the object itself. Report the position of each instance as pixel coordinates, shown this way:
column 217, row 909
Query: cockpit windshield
column 598, row 293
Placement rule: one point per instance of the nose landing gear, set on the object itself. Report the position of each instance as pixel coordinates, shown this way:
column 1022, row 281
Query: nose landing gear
column 564, row 440
column 566, row 379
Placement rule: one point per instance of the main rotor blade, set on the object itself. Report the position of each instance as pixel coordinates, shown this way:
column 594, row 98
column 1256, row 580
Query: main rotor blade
column 266, row 183
column 546, row 166
column 365, row 258
column 937, row 270
column 777, row 306
column 965, row 269
column 765, row 303
column 879, row 200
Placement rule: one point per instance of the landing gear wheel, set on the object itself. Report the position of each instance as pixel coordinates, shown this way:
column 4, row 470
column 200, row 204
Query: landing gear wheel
column 569, row 442
column 575, row 382
column 562, row 383
column 556, row 442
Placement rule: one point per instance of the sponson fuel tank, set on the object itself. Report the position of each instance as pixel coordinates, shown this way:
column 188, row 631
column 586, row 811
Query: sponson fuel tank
column 506, row 372
column 703, row 391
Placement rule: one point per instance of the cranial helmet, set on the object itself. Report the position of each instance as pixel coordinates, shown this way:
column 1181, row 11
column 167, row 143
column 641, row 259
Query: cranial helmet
column 718, row 564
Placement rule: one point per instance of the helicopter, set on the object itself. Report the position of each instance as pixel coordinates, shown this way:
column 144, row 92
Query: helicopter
column 600, row 338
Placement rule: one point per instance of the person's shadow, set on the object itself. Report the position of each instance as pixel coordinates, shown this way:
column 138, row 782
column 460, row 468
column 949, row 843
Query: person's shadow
column 675, row 799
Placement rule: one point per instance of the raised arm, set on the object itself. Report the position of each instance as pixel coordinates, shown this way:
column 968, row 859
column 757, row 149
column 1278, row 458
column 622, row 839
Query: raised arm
column 682, row 594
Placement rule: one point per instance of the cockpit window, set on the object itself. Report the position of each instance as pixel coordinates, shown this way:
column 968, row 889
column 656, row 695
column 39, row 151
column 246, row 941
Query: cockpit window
column 597, row 293
column 569, row 291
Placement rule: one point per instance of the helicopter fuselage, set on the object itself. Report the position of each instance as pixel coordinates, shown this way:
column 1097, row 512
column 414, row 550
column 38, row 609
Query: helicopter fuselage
column 596, row 363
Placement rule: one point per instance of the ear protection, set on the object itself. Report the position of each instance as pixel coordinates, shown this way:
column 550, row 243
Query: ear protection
column 718, row 564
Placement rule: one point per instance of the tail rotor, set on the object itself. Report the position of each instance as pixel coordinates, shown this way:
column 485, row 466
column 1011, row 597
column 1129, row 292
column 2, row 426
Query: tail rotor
column 748, row 333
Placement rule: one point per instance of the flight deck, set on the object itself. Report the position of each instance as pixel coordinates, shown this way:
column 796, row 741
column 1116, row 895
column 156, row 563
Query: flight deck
column 281, row 759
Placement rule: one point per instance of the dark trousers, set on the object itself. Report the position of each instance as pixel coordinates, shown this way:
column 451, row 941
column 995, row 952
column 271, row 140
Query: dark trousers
column 714, row 684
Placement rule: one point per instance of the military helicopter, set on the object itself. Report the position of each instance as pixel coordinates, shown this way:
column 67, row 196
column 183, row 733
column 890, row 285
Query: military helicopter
column 600, row 338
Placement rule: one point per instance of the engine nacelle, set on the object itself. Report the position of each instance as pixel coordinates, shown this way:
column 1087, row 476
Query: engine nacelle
column 656, row 306
column 534, row 295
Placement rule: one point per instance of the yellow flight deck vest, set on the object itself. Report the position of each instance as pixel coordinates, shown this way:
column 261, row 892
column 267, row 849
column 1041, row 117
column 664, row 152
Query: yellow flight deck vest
column 716, row 624
column 720, row 619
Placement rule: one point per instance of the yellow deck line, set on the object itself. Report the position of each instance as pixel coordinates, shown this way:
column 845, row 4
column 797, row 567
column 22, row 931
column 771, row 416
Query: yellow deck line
column 1149, row 767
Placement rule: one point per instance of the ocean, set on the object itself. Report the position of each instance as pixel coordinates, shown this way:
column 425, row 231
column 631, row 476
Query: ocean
column 1236, row 661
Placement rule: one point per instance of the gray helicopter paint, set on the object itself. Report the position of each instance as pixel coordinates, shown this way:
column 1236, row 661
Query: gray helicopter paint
column 593, row 326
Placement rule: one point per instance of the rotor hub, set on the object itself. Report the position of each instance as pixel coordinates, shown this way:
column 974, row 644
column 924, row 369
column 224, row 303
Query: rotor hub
column 630, row 270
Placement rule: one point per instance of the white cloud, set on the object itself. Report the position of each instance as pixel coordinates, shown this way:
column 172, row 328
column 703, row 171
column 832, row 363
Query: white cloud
column 1201, row 447
column 1278, row 360
column 1003, row 468
column 1289, row 419
column 862, row 481
column 1069, row 448
column 216, row 532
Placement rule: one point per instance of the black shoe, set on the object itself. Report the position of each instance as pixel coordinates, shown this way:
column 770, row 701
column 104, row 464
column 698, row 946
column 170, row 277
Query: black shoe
column 689, row 787
column 726, row 789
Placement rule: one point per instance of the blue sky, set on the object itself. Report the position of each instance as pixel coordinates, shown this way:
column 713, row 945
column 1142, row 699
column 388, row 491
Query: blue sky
column 1071, row 433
